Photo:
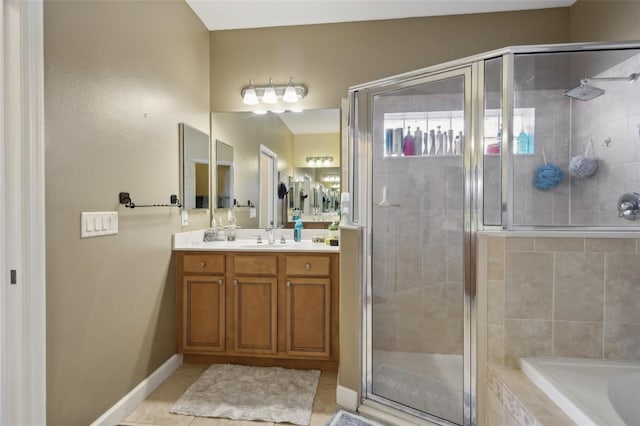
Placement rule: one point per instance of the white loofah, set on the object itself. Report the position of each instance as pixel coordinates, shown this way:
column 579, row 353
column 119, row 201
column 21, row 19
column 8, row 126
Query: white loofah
column 581, row 167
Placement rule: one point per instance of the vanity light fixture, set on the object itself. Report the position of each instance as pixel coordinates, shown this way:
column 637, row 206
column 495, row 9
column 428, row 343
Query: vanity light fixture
column 331, row 178
column 249, row 96
column 319, row 161
column 271, row 93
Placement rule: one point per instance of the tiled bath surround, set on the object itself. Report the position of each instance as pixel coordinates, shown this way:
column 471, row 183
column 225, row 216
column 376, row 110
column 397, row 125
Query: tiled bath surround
column 569, row 297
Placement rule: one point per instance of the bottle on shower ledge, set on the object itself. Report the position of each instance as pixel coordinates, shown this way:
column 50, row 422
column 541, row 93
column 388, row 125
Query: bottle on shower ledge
column 418, row 141
column 439, row 140
column 430, row 148
column 409, row 143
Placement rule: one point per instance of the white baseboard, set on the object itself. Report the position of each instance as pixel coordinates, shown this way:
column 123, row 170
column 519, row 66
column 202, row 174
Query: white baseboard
column 121, row 409
column 347, row 398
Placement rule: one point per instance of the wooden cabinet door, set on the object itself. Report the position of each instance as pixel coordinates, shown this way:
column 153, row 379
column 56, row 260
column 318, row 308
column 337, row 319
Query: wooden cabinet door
column 203, row 323
column 255, row 305
column 308, row 317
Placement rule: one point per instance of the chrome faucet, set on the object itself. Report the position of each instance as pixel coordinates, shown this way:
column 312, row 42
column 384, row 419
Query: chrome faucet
column 270, row 236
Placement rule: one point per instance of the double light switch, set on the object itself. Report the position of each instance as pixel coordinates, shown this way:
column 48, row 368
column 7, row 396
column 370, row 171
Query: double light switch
column 96, row 224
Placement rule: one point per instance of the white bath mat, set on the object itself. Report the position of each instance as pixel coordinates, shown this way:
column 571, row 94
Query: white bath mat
column 238, row 392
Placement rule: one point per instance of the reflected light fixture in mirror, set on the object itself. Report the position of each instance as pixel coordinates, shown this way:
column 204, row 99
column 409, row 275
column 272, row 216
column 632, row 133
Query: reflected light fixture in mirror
column 271, row 94
column 319, row 161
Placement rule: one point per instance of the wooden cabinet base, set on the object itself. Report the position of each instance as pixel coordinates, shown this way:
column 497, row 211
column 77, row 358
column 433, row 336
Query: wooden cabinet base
column 263, row 309
column 305, row 364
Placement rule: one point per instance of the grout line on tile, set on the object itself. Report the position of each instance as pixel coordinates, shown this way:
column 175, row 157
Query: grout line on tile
column 553, row 304
column 604, row 303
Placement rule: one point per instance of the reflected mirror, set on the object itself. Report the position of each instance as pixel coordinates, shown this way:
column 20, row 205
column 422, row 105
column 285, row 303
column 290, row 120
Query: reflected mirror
column 307, row 147
column 224, row 175
column 194, row 167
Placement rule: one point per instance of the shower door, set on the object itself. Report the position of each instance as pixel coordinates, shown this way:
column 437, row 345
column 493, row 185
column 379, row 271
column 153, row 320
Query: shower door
column 418, row 217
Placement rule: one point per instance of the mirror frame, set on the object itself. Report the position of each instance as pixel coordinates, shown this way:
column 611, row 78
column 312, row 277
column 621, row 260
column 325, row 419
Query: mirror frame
column 181, row 143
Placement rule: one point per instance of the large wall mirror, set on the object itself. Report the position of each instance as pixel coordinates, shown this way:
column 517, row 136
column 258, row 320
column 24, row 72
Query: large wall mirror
column 194, row 168
column 307, row 179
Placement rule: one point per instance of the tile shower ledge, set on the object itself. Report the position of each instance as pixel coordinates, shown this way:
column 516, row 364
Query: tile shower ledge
column 562, row 234
column 522, row 399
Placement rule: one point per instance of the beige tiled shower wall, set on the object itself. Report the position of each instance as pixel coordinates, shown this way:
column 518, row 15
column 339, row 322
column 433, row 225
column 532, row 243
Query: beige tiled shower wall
column 615, row 115
column 568, row 297
column 417, row 244
column 552, row 120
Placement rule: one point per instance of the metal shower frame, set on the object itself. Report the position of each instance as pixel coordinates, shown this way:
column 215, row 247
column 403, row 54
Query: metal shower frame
column 360, row 142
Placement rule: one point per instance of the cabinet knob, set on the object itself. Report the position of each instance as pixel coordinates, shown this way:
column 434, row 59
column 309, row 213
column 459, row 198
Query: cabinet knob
column 288, row 283
column 307, row 266
column 220, row 282
column 202, row 264
column 235, row 282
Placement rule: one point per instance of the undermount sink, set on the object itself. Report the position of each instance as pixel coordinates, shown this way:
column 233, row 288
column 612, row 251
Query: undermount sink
column 276, row 245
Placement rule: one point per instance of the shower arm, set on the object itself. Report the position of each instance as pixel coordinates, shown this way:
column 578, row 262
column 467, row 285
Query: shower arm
column 630, row 78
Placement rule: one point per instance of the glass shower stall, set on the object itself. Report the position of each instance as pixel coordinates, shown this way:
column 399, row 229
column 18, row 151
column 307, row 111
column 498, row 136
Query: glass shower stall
column 438, row 154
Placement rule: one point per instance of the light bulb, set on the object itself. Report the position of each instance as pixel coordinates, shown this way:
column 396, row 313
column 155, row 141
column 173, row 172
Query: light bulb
column 260, row 112
column 269, row 96
column 290, row 94
column 296, row 109
column 250, row 97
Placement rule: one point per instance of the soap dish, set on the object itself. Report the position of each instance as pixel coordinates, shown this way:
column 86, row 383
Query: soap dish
column 317, row 239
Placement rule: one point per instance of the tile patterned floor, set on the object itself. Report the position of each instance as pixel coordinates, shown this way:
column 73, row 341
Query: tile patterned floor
column 154, row 410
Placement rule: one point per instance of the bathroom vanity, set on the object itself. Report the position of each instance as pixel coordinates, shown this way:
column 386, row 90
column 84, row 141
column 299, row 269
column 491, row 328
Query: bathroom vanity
column 258, row 304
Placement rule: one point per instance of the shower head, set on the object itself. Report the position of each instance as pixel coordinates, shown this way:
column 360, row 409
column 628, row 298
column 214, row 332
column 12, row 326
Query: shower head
column 584, row 92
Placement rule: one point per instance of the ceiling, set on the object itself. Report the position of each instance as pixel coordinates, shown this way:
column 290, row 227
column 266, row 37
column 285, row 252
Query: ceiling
column 238, row 14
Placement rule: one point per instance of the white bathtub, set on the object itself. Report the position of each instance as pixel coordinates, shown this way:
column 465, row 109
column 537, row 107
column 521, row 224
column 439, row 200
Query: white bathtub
column 591, row 392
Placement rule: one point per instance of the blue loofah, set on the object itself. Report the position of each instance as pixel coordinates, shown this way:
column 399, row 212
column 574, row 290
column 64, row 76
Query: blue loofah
column 548, row 176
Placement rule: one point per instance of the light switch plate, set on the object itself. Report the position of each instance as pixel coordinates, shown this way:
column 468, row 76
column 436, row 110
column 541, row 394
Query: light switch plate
column 97, row 224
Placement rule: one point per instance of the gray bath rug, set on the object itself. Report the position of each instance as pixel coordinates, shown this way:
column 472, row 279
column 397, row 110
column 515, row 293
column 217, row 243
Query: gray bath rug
column 344, row 418
column 238, row 392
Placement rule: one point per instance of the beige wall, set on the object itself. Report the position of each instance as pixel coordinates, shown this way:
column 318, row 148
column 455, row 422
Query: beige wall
column 350, row 309
column 604, row 20
column 110, row 300
column 314, row 145
column 245, row 132
column 331, row 57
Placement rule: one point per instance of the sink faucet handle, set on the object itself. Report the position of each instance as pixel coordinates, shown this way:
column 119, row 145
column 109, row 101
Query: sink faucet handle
column 258, row 238
column 282, row 240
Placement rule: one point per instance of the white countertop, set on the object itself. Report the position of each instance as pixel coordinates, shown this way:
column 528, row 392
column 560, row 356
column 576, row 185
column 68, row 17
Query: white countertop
column 192, row 241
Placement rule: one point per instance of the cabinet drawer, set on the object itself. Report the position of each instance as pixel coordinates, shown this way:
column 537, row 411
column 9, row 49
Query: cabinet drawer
column 203, row 263
column 255, row 265
column 308, row 265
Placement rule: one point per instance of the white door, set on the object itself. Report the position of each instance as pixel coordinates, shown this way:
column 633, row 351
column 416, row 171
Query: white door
column 22, row 233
